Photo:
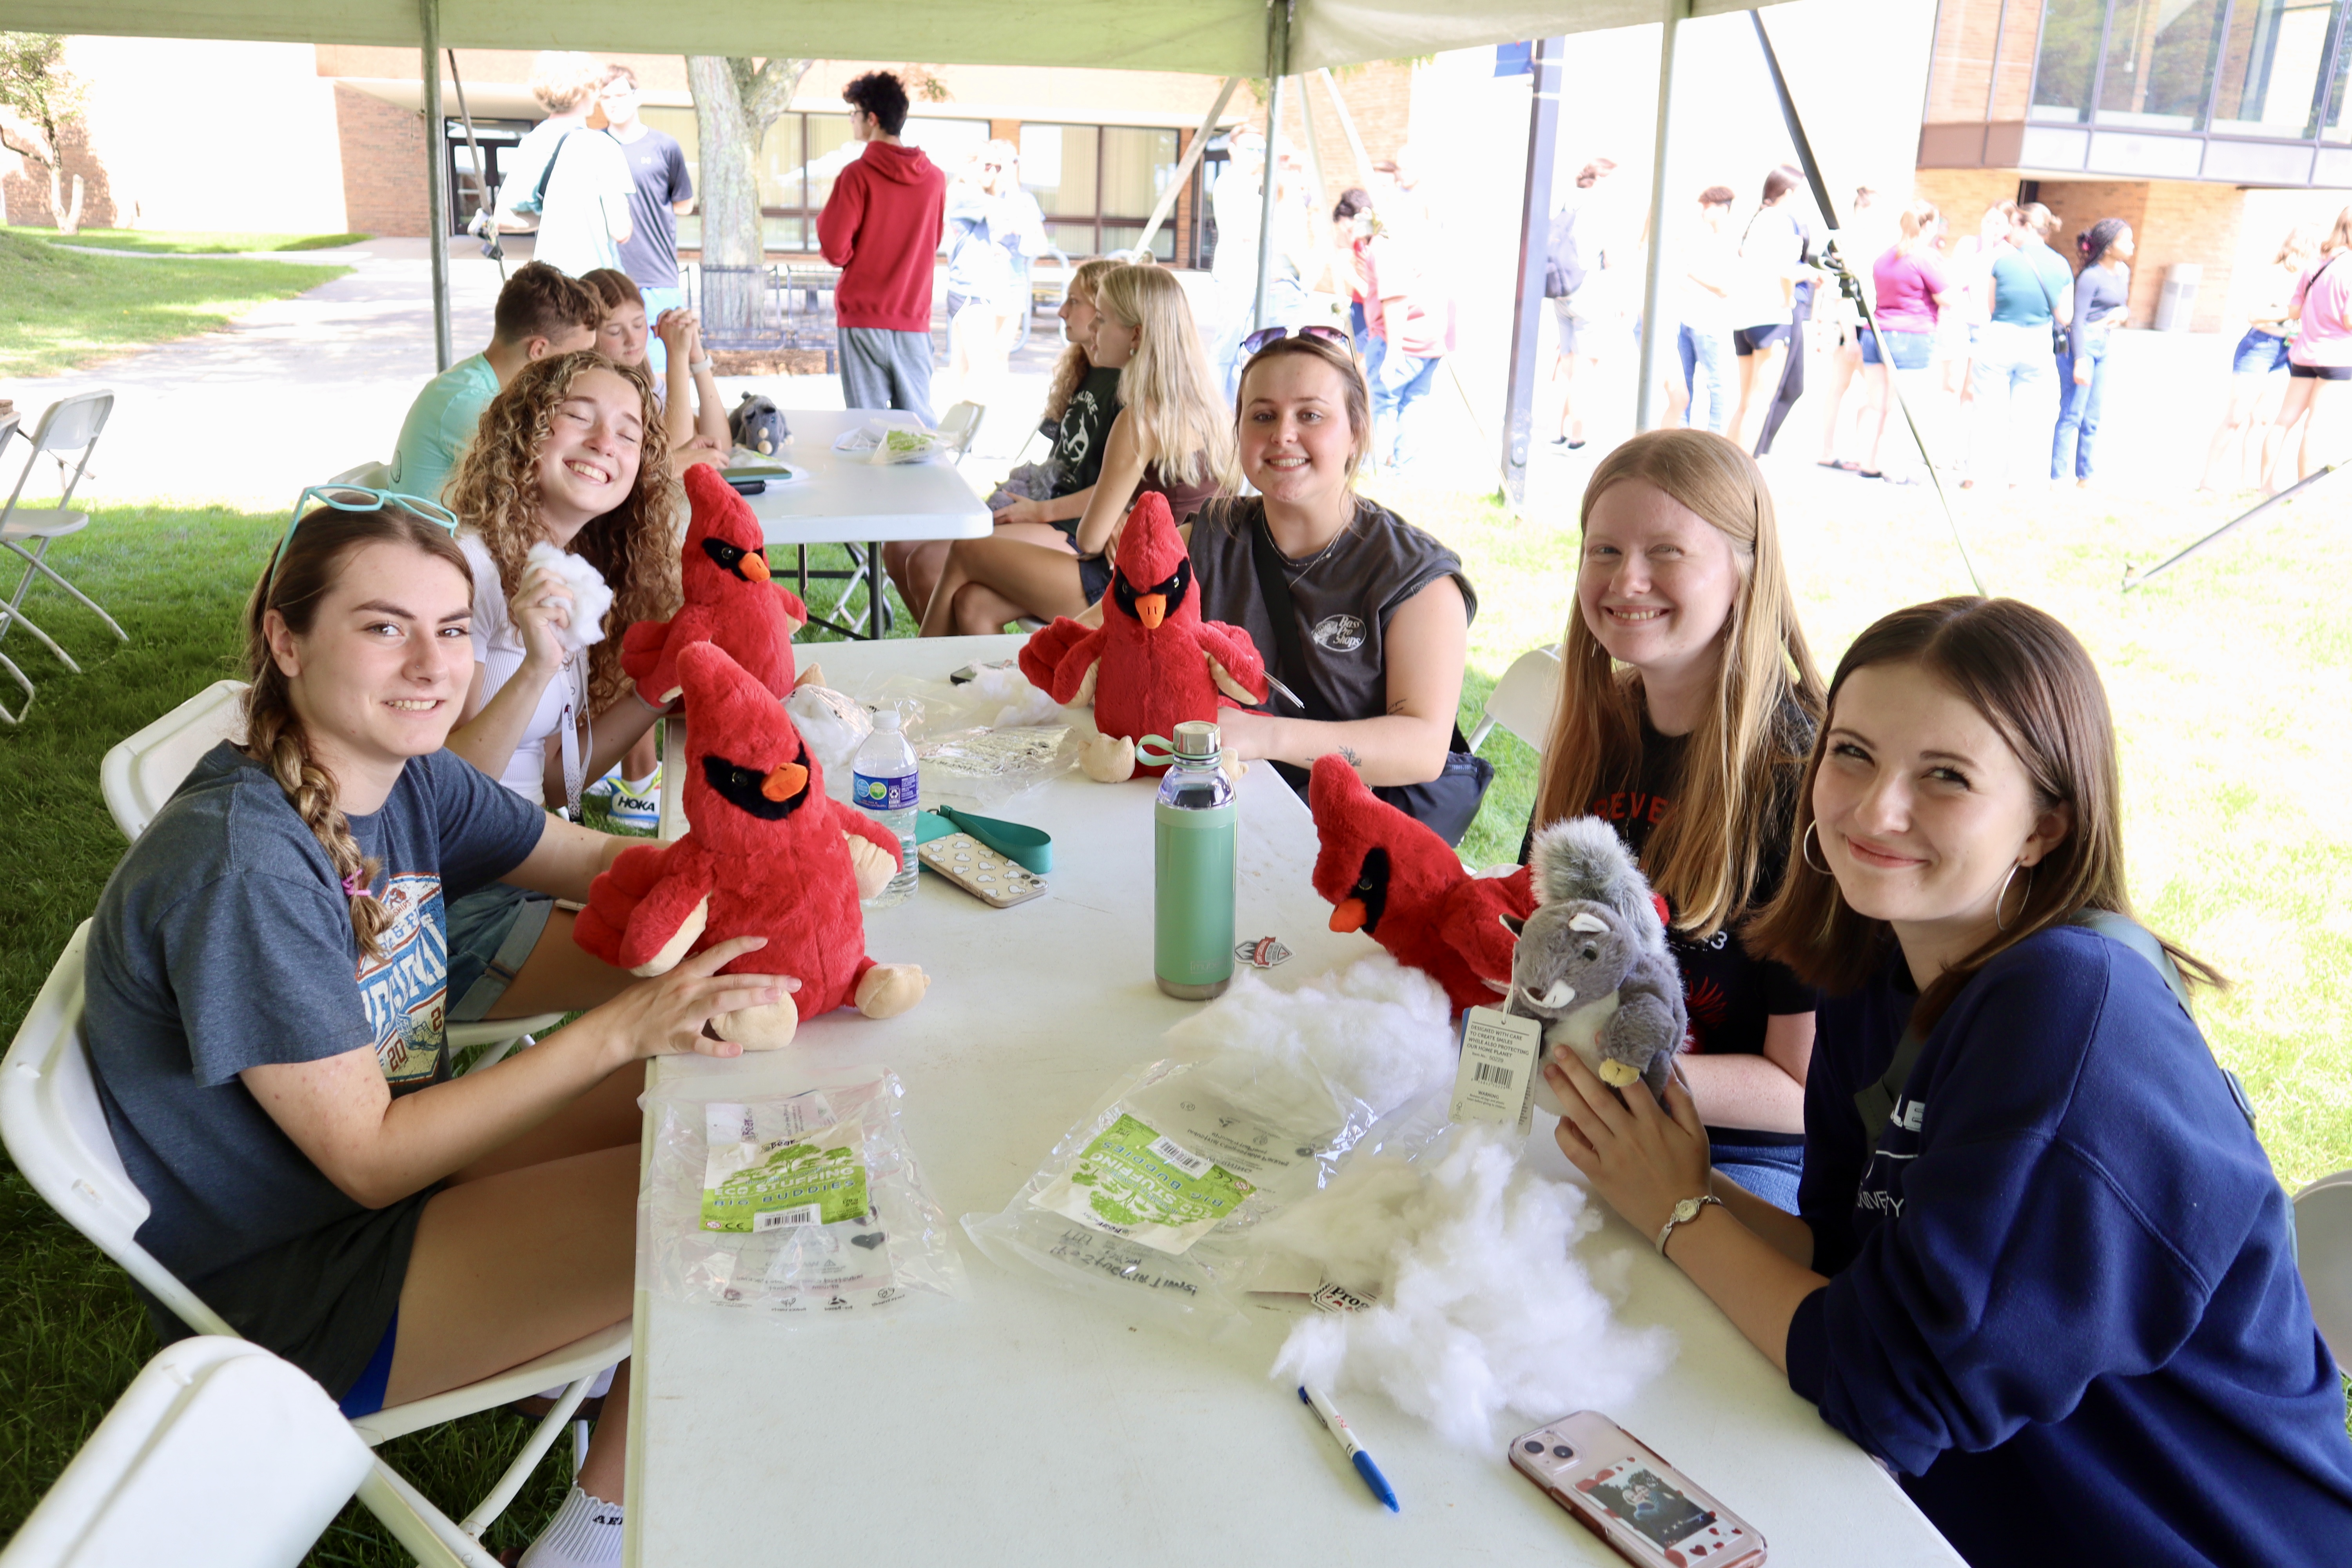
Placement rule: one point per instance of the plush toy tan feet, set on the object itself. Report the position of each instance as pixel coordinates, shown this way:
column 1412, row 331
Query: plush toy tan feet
column 1232, row 765
column 872, row 865
column 1108, row 759
column 766, row 1028
column 890, row 989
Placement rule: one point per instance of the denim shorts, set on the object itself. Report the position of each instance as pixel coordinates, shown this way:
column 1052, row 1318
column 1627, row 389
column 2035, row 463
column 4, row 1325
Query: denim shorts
column 1746, row 341
column 2259, row 353
column 1094, row 576
column 491, row 932
column 1910, row 351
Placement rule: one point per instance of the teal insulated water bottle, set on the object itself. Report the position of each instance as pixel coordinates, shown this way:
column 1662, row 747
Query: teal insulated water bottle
column 1193, row 826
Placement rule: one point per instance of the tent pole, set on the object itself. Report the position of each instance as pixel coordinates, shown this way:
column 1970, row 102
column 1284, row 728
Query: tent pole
column 1192, row 160
column 1535, row 234
column 1348, row 129
column 437, row 182
column 1269, row 176
column 1654, row 323
column 1323, row 195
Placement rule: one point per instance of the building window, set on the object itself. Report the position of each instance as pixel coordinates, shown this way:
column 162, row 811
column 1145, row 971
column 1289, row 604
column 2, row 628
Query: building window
column 2068, row 61
column 2269, row 68
column 2159, row 63
column 2272, row 64
column 1098, row 183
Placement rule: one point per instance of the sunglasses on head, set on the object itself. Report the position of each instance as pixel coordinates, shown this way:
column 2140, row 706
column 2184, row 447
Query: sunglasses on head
column 1265, row 335
column 354, row 497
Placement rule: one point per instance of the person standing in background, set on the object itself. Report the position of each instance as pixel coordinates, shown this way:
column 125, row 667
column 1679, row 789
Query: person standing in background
column 881, row 226
column 1233, row 202
column 2013, row 378
column 994, row 227
column 1857, row 243
column 1575, row 256
column 1407, row 271
column 1702, row 340
column 575, row 180
column 2101, row 294
column 2270, row 327
column 1353, row 224
column 2319, row 361
column 661, row 193
column 1969, row 260
column 1912, row 290
column 1771, row 263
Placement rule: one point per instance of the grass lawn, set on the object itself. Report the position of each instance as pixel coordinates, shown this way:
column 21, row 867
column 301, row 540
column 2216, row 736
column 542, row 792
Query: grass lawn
column 2235, row 743
column 158, row 242
column 60, row 310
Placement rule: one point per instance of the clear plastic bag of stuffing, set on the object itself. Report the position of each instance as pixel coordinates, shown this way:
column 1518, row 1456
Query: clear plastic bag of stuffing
column 986, row 767
column 1152, row 1199
column 796, row 1206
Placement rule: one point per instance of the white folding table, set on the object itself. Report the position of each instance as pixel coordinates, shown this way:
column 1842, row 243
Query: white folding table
column 845, row 499
column 1033, row 1426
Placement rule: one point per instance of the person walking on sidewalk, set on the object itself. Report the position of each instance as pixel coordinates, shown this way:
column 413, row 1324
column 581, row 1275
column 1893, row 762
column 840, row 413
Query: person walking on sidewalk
column 572, row 181
column 2014, row 377
column 662, row 192
column 881, row 227
column 2100, row 291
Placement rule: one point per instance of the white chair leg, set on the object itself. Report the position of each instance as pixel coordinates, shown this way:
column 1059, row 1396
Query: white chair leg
column 423, row 1529
column 579, row 1446
column 542, row 1438
column 1486, row 725
column 18, row 677
column 11, row 616
column 46, row 570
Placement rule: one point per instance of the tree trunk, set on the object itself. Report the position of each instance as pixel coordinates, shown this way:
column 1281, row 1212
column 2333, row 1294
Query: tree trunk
column 68, row 217
column 734, row 104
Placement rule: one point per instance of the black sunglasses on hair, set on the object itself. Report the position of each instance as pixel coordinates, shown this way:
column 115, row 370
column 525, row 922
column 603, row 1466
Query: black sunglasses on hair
column 1265, row 335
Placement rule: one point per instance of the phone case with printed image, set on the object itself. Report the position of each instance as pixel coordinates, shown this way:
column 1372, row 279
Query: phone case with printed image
column 1641, row 1507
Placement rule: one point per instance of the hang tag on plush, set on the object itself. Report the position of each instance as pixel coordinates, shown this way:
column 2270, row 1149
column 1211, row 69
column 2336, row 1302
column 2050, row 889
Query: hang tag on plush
column 1495, row 1081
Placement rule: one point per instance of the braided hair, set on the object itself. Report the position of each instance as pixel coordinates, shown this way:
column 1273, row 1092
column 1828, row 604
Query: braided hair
column 299, row 578
column 2093, row 241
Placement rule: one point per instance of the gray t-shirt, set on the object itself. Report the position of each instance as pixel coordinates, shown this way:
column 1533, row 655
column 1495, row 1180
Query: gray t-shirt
column 1343, row 599
column 223, row 941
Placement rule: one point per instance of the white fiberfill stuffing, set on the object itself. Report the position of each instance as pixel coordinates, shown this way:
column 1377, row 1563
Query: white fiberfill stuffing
column 590, row 597
column 1480, row 1305
column 1007, row 701
column 1376, row 1033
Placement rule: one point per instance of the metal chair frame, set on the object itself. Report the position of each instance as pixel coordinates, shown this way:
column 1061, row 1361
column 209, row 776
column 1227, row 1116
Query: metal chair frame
column 69, row 425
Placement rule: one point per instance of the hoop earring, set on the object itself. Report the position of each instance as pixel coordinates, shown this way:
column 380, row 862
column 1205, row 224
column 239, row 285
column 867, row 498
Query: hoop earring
column 1807, row 848
column 2002, row 897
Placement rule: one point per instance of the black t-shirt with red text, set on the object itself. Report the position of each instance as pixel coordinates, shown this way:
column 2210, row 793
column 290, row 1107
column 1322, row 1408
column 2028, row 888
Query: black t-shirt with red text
column 1730, row 993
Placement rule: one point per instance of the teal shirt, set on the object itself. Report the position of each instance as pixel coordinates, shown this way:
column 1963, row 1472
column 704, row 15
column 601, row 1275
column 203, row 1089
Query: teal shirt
column 439, row 424
column 2026, row 283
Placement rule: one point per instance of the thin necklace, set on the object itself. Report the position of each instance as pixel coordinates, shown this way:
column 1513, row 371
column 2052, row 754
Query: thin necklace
column 1333, row 545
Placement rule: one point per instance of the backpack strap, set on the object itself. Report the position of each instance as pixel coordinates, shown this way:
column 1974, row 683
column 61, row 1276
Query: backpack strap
column 1274, row 589
column 538, row 192
column 1876, row 1103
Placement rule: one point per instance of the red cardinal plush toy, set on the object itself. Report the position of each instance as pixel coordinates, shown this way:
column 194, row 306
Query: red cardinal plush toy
column 1400, row 884
column 1154, row 663
column 767, row 854
column 731, row 599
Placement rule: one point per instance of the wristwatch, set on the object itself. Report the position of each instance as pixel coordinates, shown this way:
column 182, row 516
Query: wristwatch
column 698, row 366
column 1685, row 1212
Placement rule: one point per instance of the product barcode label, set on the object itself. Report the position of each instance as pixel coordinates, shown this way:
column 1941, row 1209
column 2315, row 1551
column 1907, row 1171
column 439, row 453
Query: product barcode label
column 1176, row 1154
column 777, row 1219
column 1499, row 1076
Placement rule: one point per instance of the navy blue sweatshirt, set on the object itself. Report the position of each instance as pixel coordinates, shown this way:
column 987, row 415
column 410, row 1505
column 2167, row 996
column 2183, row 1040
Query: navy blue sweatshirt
column 2062, row 1301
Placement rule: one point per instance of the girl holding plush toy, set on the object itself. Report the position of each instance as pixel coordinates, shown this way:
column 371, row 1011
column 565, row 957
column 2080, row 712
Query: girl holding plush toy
column 1170, row 436
column 2043, row 1269
column 572, row 455
column 1688, row 698
column 265, row 987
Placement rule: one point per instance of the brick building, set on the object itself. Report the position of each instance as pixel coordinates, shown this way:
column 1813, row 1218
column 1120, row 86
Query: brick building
column 2211, row 126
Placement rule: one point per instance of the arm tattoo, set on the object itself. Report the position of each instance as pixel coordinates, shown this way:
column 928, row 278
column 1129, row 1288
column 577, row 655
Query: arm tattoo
column 1348, row 756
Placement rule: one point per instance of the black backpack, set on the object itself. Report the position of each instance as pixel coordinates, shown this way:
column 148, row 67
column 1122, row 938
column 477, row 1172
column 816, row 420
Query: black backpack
column 759, row 425
column 1563, row 258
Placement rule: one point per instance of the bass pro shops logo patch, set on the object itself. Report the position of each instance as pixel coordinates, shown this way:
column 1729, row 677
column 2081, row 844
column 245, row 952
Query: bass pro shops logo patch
column 1340, row 633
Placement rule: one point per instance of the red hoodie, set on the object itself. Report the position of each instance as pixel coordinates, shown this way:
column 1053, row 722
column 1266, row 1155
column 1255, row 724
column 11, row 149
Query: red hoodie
column 881, row 227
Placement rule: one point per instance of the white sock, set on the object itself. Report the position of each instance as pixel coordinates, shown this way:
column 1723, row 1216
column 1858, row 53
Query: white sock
column 585, row 1533
column 639, row 786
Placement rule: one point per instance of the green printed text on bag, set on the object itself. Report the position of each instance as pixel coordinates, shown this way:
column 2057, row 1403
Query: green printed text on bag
column 1133, row 1182
column 798, row 1183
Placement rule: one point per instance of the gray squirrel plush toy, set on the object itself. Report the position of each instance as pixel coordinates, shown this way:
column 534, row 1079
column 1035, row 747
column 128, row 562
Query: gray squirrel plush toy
column 1592, row 961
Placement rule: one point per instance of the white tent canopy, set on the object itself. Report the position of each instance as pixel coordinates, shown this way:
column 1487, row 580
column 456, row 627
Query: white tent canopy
column 1214, row 37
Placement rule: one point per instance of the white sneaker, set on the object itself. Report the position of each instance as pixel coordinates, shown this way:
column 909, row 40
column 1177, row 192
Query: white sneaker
column 636, row 807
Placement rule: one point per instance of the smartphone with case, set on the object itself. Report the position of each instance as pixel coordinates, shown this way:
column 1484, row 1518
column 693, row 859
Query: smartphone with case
column 1641, row 1507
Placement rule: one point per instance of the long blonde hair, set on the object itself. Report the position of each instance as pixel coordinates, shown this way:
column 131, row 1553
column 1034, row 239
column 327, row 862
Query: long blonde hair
column 1071, row 367
column 1180, row 424
column 634, row 545
column 294, row 583
column 1705, row 856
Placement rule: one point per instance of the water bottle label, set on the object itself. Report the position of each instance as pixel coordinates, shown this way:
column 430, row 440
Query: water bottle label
column 893, row 793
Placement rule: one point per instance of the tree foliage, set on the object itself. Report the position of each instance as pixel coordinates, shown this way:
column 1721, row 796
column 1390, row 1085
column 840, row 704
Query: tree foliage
column 35, row 83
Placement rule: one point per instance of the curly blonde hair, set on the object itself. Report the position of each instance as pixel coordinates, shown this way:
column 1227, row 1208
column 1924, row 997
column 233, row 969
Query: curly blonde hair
column 635, row 546
column 1075, row 364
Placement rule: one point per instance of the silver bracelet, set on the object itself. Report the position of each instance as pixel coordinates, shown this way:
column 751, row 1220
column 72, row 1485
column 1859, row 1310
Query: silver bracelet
column 1684, row 1213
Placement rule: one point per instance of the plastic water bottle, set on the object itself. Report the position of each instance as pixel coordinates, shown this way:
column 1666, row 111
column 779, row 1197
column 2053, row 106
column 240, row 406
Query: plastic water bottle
column 883, row 784
column 1193, row 827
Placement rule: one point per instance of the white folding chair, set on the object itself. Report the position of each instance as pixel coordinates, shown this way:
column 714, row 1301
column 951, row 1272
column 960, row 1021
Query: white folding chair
column 138, row 775
column 960, row 424
column 217, row 1456
column 55, row 1129
column 1525, row 700
column 2323, row 1240
column 71, row 424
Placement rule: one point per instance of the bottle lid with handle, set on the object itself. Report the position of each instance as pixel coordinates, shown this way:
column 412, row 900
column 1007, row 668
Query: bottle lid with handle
column 1197, row 741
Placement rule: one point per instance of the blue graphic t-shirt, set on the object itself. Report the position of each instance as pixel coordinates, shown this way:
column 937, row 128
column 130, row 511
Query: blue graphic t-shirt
column 223, row 941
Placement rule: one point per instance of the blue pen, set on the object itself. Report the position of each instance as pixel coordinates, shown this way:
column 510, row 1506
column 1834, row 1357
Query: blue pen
column 1336, row 1425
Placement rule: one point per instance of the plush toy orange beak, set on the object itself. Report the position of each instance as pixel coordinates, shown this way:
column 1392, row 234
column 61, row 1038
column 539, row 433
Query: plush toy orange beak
column 784, row 782
column 1151, row 609
column 1349, row 915
column 755, row 567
